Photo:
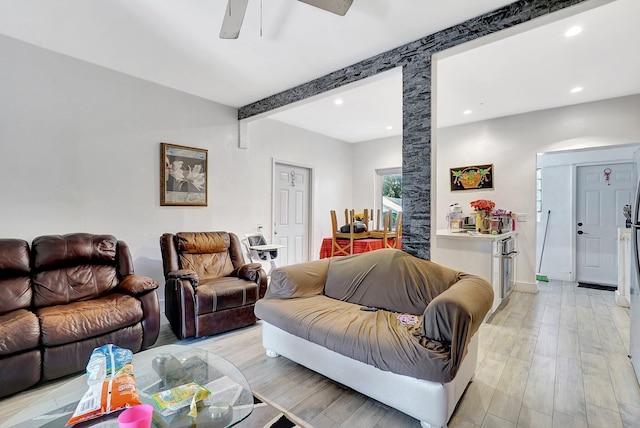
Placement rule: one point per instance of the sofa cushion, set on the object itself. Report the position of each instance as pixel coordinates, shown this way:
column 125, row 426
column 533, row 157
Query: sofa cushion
column 374, row 338
column 81, row 320
column 206, row 253
column 19, row 331
column 389, row 279
column 72, row 284
column 15, row 293
column 15, row 272
column 73, row 267
column 228, row 292
column 202, row 242
column 60, row 251
column 207, row 265
column 302, row 279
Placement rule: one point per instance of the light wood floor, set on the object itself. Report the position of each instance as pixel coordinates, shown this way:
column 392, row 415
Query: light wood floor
column 553, row 359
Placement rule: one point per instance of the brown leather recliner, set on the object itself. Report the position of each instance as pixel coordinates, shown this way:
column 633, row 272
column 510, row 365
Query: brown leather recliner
column 64, row 297
column 209, row 289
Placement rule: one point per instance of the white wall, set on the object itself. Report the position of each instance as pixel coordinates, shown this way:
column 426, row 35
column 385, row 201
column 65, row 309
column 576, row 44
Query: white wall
column 511, row 144
column 330, row 160
column 367, row 157
column 80, row 152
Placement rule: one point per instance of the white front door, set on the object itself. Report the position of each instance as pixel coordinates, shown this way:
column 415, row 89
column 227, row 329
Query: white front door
column 601, row 193
column 291, row 213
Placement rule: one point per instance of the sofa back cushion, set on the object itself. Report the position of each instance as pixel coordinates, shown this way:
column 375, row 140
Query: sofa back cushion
column 209, row 254
column 387, row 279
column 74, row 267
column 15, row 275
column 298, row 280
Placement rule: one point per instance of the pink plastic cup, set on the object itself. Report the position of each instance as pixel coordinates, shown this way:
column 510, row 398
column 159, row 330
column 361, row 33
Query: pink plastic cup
column 136, row 417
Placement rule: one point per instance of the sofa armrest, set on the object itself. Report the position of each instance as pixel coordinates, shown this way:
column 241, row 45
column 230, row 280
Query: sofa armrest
column 179, row 303
column 250, row 272
column 255, row 273
column 299, row 280
column 143, row 288
column 136, row 285
column 187, row 274
column 455, row 315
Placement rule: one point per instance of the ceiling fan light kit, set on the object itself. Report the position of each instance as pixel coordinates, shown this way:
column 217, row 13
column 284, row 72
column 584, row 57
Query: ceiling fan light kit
column 234, row 15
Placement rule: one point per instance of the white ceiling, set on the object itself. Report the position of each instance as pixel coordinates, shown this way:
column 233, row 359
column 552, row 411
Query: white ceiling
column 536, row 69
column 176, row 44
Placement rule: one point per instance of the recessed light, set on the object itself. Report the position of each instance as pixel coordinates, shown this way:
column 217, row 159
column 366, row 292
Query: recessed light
column 573, row 31
column 576, row 89
column 466, row 112
column 338, row 101
column 389, row 128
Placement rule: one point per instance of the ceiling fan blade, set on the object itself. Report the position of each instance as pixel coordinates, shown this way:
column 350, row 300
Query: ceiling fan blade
column 339, row 7
column 233, row 17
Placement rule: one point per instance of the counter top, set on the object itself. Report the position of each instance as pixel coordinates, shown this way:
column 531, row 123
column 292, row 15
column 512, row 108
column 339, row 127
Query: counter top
column 446, row 233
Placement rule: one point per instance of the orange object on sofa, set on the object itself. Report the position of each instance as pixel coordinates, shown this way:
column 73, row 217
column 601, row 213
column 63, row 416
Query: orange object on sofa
column 209, row 289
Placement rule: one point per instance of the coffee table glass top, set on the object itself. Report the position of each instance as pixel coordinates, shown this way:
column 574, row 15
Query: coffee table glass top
column 156, row 370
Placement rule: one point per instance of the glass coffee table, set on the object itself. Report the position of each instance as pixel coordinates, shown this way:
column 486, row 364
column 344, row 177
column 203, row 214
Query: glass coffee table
column 157, row 369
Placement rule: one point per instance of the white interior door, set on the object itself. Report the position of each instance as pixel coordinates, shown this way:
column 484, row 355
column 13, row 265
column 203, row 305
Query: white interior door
column 601, row 193
column 291, row 213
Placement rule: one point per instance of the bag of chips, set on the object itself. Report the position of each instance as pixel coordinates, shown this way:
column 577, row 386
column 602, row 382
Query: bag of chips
column 112, row 385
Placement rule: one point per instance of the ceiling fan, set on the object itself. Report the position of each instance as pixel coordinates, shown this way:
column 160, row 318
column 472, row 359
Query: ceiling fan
column 236, row 9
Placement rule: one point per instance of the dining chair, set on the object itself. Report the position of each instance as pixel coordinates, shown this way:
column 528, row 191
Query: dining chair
column 375, row 220
column 388, row 231
column 342, row 248
column 349, row 217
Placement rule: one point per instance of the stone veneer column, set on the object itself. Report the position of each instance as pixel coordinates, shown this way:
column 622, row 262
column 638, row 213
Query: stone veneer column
column 415, row 59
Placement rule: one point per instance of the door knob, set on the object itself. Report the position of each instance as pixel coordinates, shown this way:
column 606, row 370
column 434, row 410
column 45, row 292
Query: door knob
column 582, row 233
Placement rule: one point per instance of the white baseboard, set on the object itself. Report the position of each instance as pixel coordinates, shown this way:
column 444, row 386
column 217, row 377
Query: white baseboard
column 526, row 287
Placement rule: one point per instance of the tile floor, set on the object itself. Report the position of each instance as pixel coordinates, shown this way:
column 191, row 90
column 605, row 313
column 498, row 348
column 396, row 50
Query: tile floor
column 558, row 358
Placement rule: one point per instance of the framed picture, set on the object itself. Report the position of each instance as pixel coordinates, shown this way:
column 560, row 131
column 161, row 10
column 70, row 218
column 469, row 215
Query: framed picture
column 471, row 177
column 183, row 175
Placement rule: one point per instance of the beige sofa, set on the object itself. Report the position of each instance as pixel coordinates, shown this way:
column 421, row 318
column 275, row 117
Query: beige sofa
column 312, row 315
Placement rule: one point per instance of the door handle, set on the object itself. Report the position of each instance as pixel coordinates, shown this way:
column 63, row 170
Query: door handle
column 582, row 233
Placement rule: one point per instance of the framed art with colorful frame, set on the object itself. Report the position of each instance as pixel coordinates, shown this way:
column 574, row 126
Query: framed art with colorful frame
column 183, row 175
column 471, row 177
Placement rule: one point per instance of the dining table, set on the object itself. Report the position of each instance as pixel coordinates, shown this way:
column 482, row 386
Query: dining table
column 362, row 245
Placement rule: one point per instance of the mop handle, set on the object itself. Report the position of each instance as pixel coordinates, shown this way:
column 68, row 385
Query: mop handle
column 544, row 240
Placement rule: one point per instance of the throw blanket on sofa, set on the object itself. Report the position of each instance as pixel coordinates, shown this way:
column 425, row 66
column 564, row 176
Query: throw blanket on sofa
column 320, row 301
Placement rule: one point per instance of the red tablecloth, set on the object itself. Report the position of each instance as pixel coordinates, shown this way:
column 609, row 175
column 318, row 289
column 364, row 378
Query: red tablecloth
column 359, row 245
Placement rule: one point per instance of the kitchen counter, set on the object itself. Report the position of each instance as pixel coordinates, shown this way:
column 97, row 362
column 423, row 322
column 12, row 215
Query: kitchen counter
column 475, row 253
column 446, row 233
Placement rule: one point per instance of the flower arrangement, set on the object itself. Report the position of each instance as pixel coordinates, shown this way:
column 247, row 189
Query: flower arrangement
column 359, row 216
column 483, row 205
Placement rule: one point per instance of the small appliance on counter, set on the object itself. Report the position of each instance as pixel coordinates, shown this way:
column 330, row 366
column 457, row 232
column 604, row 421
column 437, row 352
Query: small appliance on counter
column 455, row 218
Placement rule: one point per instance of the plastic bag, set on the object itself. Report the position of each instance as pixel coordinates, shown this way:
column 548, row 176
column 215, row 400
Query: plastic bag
column 112, row 385
column 172, row 400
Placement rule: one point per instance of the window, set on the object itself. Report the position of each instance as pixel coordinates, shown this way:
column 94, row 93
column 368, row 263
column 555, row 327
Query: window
column 389, row 193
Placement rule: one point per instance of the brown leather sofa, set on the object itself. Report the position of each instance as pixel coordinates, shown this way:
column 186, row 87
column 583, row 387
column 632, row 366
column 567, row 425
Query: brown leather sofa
column 65, row 296
column 209, row 289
